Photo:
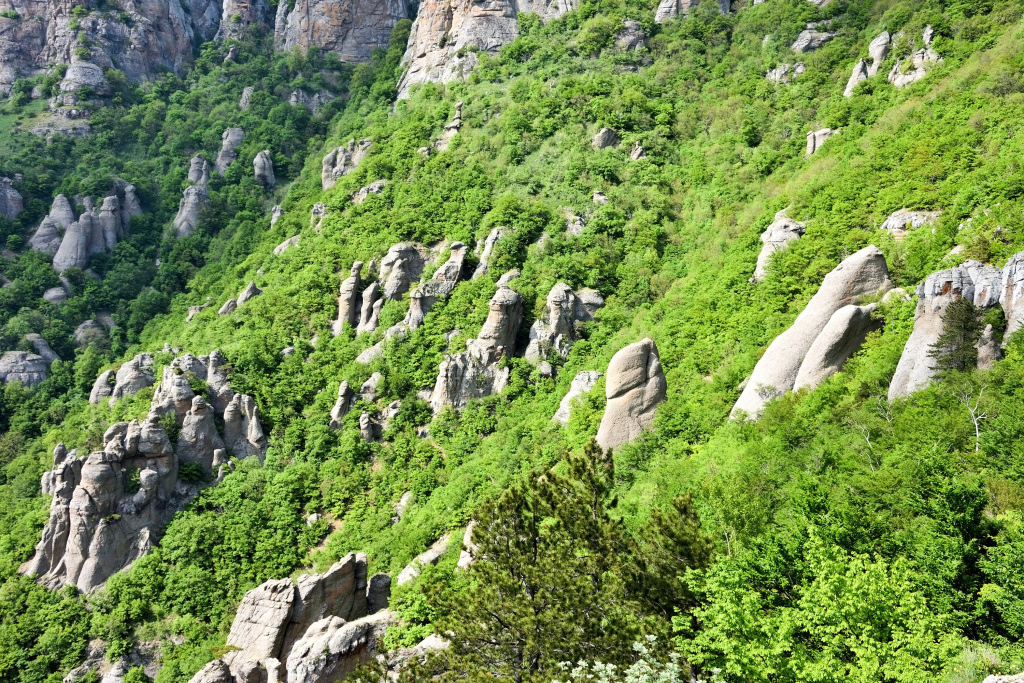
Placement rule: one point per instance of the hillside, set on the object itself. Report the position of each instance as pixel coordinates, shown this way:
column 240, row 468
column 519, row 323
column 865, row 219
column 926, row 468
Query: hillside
column 312, row 293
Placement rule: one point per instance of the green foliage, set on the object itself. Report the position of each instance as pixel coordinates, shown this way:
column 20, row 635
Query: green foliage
column 956, row 349
column 191, row 472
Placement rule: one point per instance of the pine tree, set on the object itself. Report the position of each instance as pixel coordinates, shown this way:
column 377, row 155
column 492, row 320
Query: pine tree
column 956, row 348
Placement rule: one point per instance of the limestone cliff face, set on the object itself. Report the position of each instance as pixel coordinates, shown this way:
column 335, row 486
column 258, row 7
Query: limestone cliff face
column 445, row 29
column 351, row 29
column 158, row 34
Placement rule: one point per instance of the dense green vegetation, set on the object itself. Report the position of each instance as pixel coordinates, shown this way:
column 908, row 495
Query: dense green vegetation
column 846, row 537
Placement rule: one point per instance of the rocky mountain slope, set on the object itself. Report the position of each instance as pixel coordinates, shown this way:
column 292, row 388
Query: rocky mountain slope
column 337, row 335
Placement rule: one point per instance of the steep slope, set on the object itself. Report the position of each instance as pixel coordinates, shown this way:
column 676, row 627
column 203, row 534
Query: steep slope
column 662, row 217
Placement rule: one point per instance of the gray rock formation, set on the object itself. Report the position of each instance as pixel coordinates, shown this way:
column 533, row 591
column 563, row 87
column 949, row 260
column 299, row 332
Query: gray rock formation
column 271, row 626
column 811, row 39
column 341, row 405
column 76, row 246
column 444, row 32
column 914, row 68
column 249, row 292
column 174, row 394
column 878, row 50
column 193, row 201
column 199, row 438
column 438, row 288
column 130, row 207
column 28, row 368
column 582, row 383
column 369, row 431
column 263, row 167
column 193, row 311
column 670, row 9
column 862, row 274
column 110, row 222
column 1012, row 296
column 199, row 171
column 430, row 556
column 42, row 347
column 634, row 388
column 83, row 74
column 899, row 223
column 133, row 376
column 484, row 250
column 559, row 326
column 369, row 312
column 784, row 73
column 246, row 98
column 475, row 372
column 11, row 202
column 360, row 195
column 238, row 16
column 228, row 307
column 341, row 161
column 841, row 337
column 275, row 216
column 229, row 143
column 331, row 648
column 46, row 238
column 776, row 237
column 243, row 433
column 603, row 138
column 467, row 556
column 88, row 332
column 816, row 138
column 451, row 129
column 102, row 387
column 348, row 300
column 989, row 350
column 860, row 73
column 286, row 245
column 631, row 36
column 400, row 267
column 368, row 390
column 982, row 284
column 351, row 29
column 317, row 215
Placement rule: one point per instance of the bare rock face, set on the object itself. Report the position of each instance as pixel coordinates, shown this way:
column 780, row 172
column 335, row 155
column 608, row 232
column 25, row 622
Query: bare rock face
column 670, row 9
column 110, row 221
column 102, row 387
column 249, row 292
column 910, row 70
column 878, row 50
column 1012, row 296
column 341, row 161
column 862, row 274
column 341, row 406
column 348, row 300
column 82, row 74
column 246, row 98
column 559, row 326
column 369, row 312
column 76, row 246
column 133, row 376
column 439, row 287
column 810, row 40
column 193, row 201
column 199, row 171
column 860, row 73
column 841, row 338
column 331, row 648
column 229, row 142
column 400, row 267
column 444, row 30
column 488, row 246
column 259, row 627
column 199, row 438
column 635, row 387
column 784, row 73
column 631, row 37
column 214, row 672
column 360, row 195
column 275, row 216
column 603, row 138
column 582, row 383
column 42, row 347
column 475, row 372
column 46, row 238
column 368, row 391
column 28, row 368
column 816, row 138
column 776, row 237
column 263, row 167
column 981, row 283
column 243, row 433
column 430, row 556
column 174, row 394
column 238, row 16
column 11, row 203
column 351, row 29
column 88, row 332
column 228, row 307
column 469, row 549
column 899, row 223
column 989, row 350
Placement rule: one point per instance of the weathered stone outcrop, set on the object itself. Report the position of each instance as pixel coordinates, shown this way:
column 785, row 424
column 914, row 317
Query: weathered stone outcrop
column 484, row 250
column 199, row 171
column 342, row 405
column 341, row 161
column 193, row 201
column 102, row 387
column 989, row 350
column 89, row 332
column 451, row 129
column 275, row 623
column 110, row 222
column 914, row 68
column 878, row 50
column 47, row 238
column 332, row 649
column 228, row 307
column 229, row 143
column 816, row 138
column 776, row 237
column 445, row 30
column 559, row 326
column 351, row 29
column 1012, row 296
column 811, row 39
column 467, row 556
column 864, row 273
column 582, row 383
column 635, row 386
column 475, row 372
column 899, row 223
column 360, row 195
column 76, row 246
column 246, row 99
column 604, row 138
column 784, row 73
column 670, row 9
column 248, row 293
column 348, row 300
column 980, row 283
column 275, row 215
column 263, row 168
column 430, row 556
column 438, row 288
column 243, row 433
column 400, row 267
column 368, row 390
column 237, row 16
column 841, row 337
column 11, row 202
column 19, row 366
column 369, row 312
column 199, row 438
column 42, row 347
column 631, row 37
column 133, row 376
